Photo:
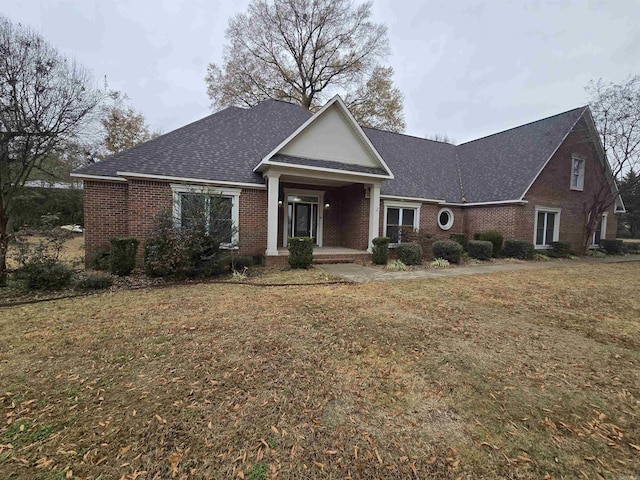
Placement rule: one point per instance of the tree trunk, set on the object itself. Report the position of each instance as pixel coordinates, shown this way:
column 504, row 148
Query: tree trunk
column 4, row 246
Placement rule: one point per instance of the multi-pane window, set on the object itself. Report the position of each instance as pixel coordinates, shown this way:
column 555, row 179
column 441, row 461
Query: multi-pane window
column 210, row 212
column 399, row 221
column 213, row 210
column 577, row 173
column 547, row 223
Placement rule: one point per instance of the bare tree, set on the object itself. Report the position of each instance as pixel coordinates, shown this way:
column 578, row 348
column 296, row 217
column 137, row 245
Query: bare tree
column 302, row 51
column 440, row 137
column 616, row 113
column 45, row 101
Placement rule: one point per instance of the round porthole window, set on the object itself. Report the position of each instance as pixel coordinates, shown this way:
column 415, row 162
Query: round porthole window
column 445, row 218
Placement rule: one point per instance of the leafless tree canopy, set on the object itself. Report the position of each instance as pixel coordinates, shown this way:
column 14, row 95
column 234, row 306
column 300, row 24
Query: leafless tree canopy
column 302, row 51
column 616, row 114
column 45, row 101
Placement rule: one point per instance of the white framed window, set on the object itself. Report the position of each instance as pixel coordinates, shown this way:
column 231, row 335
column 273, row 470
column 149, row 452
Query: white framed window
column 600, row 232
column 400, row 217
column 445, row 218
column 546, row 227
column 577, row 173
column 218, row 207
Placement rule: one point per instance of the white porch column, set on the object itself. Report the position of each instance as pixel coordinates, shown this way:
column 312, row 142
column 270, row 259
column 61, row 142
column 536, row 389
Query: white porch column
column 273, row 186
column 374, row 214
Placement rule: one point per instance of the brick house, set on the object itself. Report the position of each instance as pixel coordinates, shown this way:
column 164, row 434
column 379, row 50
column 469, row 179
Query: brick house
column 287, row 172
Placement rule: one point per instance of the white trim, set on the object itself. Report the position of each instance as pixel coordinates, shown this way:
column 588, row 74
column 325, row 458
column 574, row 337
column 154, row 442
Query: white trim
column 232, row 193
column 408, row 205
column 350, row 118
column 98, row 177
column 320, row 212
column 554, row 152
column 325, row 169
column 273, row 180
column 580, row 184
column 603, row 231
column 556, row 226
column 374, row 213
column 449, row 224
column 482, row 204
column 258, row 186
column 397, row 197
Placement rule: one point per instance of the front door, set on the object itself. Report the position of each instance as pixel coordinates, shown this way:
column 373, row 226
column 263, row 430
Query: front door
column 303, row 217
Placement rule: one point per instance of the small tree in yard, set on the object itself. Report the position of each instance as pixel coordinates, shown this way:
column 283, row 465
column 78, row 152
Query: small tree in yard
column 616, row 113
column 45, row 101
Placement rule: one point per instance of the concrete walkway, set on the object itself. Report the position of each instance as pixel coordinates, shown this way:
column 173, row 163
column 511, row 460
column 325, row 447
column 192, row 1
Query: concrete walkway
column 362, row 274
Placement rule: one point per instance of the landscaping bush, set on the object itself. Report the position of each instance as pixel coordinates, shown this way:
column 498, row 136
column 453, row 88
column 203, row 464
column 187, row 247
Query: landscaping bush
column 440, row 263
column 480, row 249
column 396, row 266
column 380, row 251
column 631, row 247
column 494, row 237
column 612, row 247
column 94, row 282
column 518, row 249
column 559, row 250
column 46, row 275
column 447, row 249
column 410, row 253
column 300, row 252
column 123, row 255
column 102, row 260
column 460, row 238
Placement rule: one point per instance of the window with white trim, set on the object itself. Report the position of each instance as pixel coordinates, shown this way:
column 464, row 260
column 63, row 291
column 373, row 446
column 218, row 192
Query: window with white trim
column 445, row 218
column 400, row 218
column 600, row 232
column 577, row 173
column 216, row 209
column 547, row 227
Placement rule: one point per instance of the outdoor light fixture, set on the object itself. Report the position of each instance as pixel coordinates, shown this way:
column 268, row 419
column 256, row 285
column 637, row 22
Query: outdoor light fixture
column 326, row 203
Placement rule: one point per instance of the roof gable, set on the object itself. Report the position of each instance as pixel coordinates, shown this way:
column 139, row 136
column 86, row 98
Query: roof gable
column 330, row 139
column 503, row 166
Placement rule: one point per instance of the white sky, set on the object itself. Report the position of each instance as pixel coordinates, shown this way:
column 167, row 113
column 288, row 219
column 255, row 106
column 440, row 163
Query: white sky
column 467, row 68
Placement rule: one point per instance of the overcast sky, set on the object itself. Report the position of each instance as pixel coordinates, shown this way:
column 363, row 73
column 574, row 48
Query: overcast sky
column 466, row 68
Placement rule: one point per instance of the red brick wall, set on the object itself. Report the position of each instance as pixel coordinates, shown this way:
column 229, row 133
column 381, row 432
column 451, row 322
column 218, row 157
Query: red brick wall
column 105, row 215
column 252, row 230
column 506, row 219
column 147, row 199
column 354, row 217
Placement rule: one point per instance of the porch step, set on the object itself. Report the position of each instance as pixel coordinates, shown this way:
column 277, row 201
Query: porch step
column 324, row 259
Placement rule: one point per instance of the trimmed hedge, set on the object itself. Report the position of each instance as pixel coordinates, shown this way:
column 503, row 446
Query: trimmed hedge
column 123, row 255
column 380, row 251
column 240, row 262
column 559, row 250
column 46, row 275
column 447, row 249
column 494, row 237
column 460, row 238
column 480, row 249
column 410, row 253
column 300, row 252
column 102, row 260
column 612, row 247
column 518, row 249
column 631, row 247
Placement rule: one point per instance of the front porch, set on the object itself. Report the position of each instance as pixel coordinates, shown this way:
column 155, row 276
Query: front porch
column 322, row 255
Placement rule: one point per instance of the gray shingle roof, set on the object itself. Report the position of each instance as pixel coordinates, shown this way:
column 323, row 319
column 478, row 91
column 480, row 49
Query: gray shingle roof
column 502, row 166
column 227, row 145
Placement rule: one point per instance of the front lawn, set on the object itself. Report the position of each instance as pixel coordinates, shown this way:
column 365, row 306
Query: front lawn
column 509, row 375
